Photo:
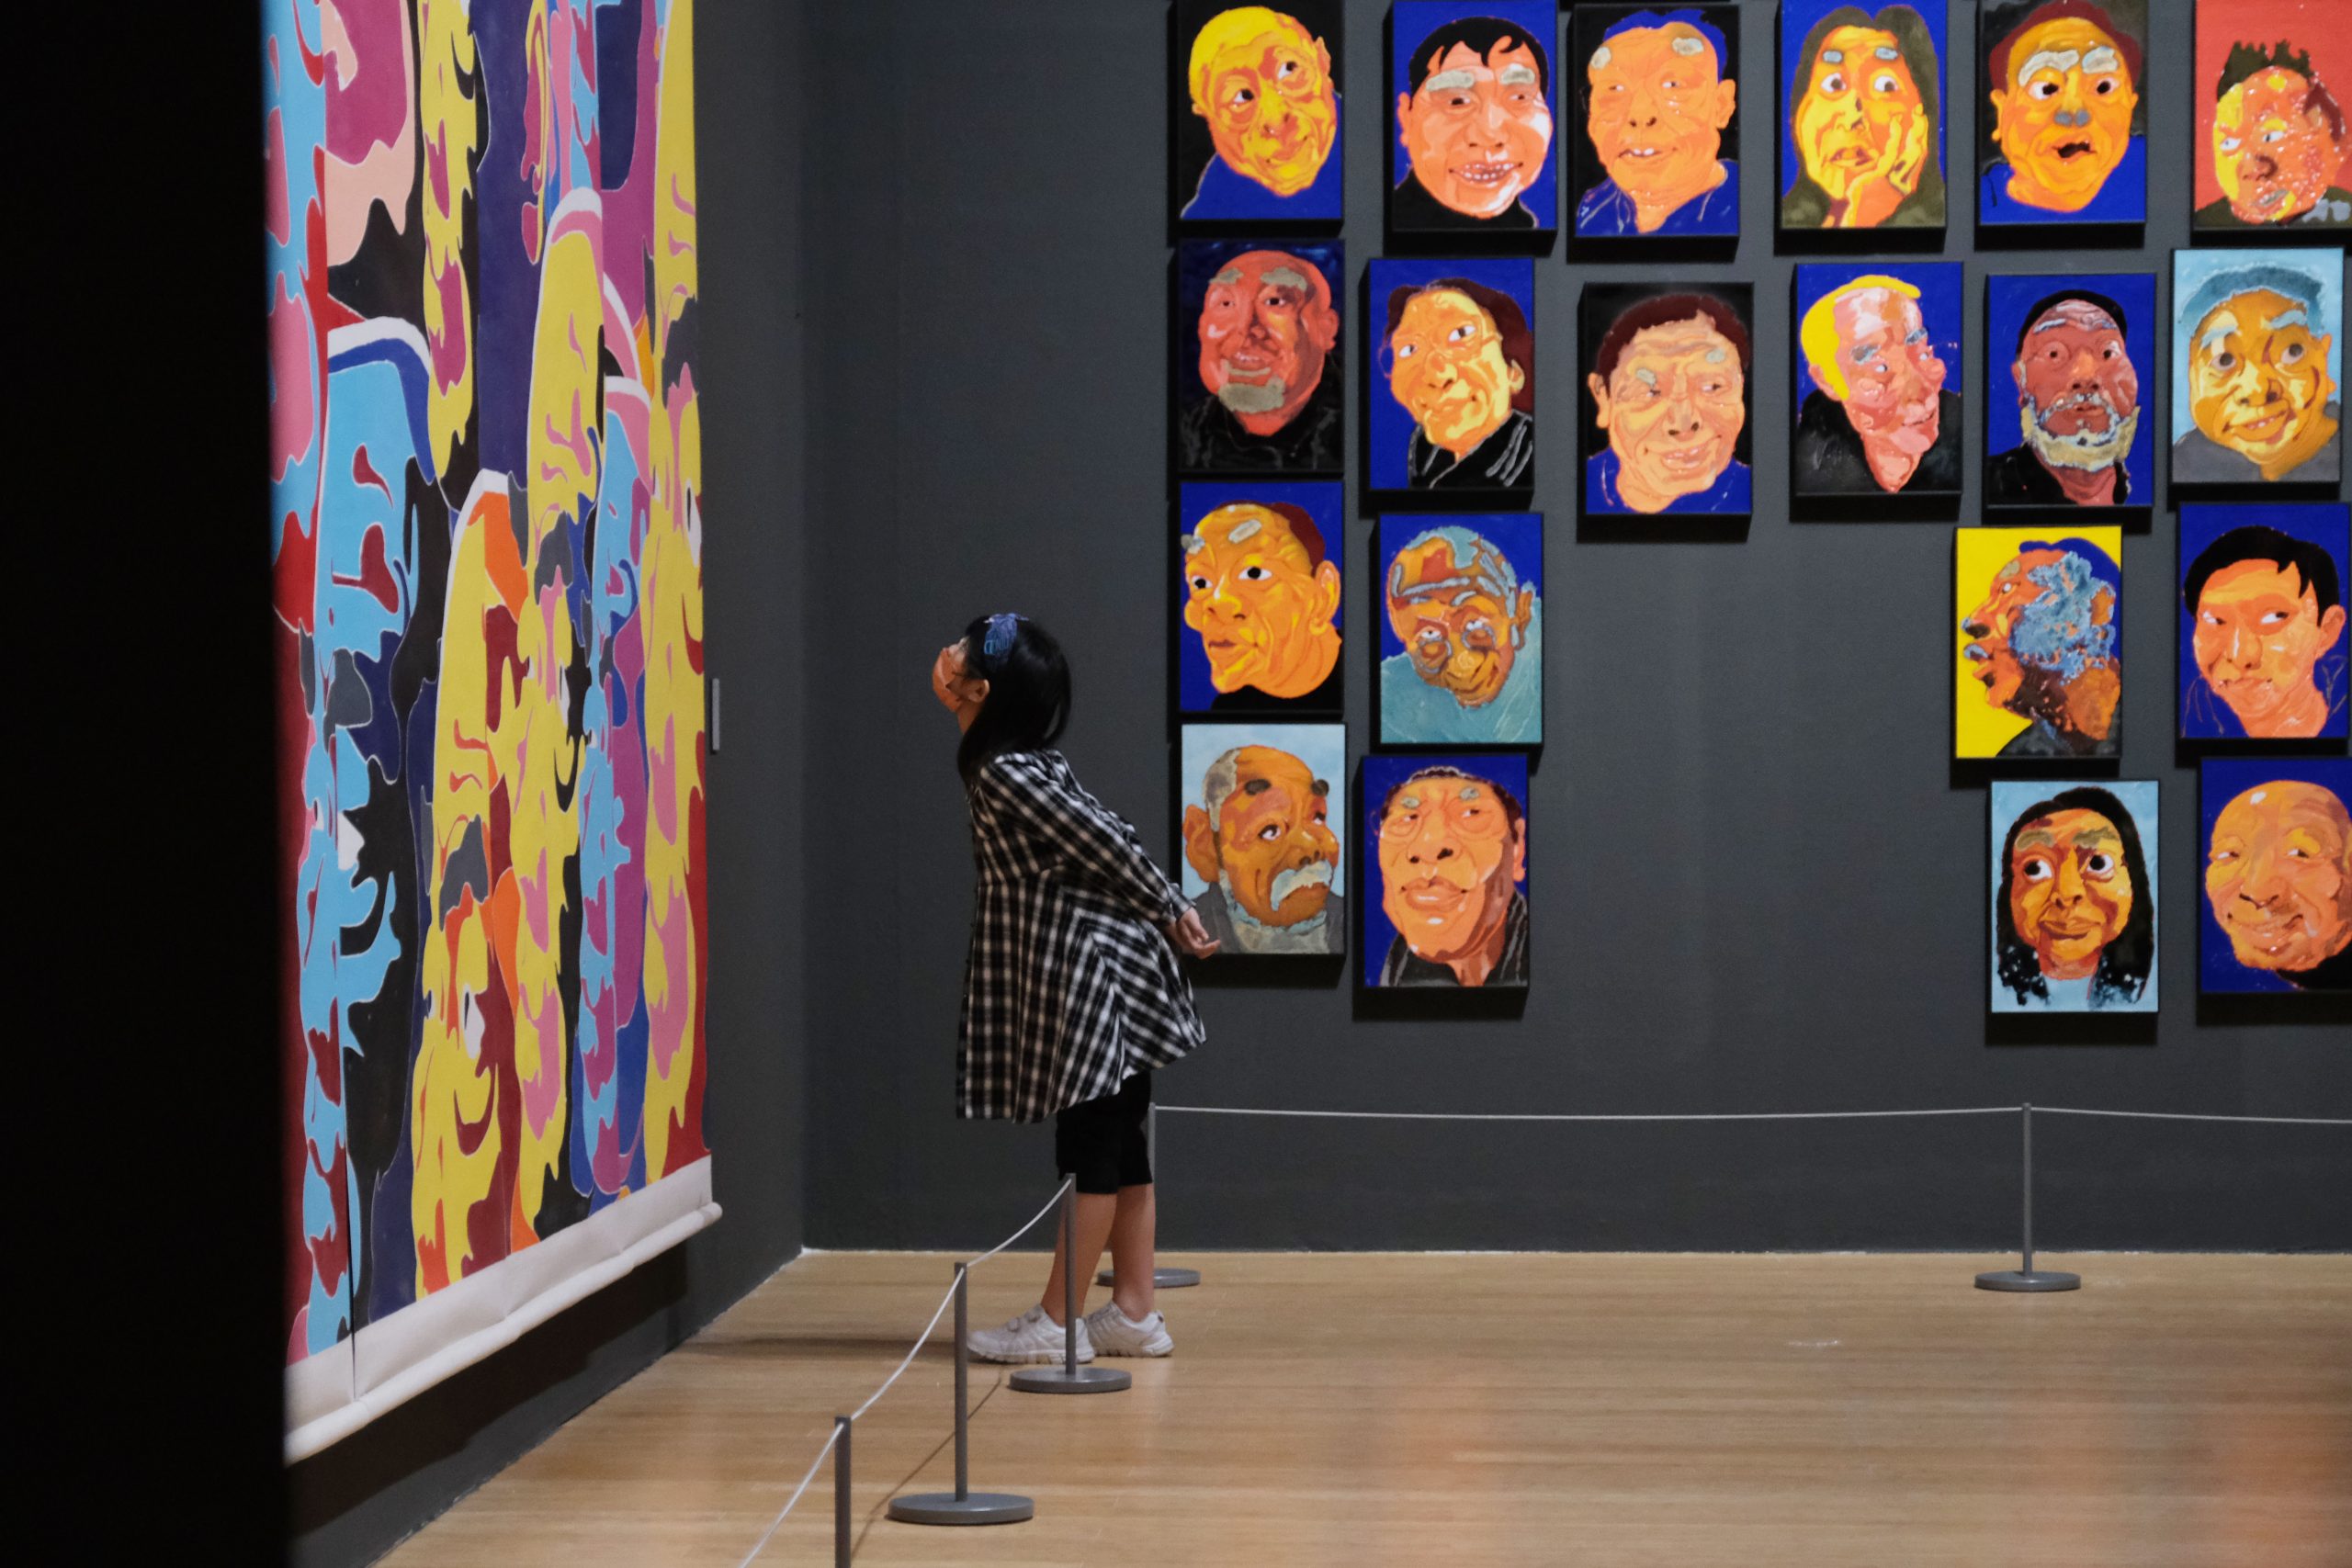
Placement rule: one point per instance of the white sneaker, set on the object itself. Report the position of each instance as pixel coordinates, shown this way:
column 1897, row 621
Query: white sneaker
column 1116, row 1334
column 1030, row 1338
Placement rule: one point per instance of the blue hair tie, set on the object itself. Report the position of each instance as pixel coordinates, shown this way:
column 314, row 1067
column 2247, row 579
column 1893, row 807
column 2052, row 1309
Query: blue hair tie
column 1002, row 628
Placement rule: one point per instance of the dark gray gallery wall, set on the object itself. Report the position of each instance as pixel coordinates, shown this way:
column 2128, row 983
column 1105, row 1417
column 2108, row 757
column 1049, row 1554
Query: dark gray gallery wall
column 1757, row 876
column 352, row 1502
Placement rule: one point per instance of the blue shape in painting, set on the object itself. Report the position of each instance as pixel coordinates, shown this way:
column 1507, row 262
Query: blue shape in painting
column 2123, row 200
column 1419, row 30
column 2279, row 653
column 1508, row 452
column 2012, row 304
column 2275, row 915
column 1388, row 960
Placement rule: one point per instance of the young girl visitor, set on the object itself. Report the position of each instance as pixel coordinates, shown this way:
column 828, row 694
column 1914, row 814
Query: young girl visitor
column 1072, row 994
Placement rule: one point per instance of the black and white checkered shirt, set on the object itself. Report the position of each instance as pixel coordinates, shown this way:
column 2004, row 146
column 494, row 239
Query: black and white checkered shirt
column 1070, row 987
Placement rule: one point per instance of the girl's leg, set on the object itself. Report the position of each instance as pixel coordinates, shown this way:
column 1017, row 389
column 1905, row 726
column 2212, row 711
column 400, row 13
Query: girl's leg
column 1095, row 1210
column 1134, row 1245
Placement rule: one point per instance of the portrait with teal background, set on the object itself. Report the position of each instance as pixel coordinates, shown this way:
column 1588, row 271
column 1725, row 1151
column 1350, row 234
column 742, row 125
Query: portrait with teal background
column 2257, row 366
column 2074, row 889
column 1462, row 630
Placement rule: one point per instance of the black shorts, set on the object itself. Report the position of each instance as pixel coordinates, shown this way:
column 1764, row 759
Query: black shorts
column 1102, row 1142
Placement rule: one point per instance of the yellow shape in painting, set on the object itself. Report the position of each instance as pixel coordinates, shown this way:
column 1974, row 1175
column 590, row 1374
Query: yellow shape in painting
column 671, row 572
column 675, row 276
column 535, row 740
column 454, row 1135
column 450, row 113
column 1995, row 643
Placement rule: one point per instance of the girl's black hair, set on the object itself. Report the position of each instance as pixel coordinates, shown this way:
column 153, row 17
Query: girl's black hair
column 1028, row 700
column 2123, row 964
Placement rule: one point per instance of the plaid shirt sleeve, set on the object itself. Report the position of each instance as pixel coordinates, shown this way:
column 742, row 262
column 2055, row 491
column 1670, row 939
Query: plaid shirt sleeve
column 1092, row 843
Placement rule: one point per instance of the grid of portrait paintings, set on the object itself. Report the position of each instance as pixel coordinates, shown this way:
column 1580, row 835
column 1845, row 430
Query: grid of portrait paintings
column 1487, row 107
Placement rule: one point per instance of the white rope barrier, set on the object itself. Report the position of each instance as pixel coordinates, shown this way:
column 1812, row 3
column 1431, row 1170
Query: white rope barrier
column 1734, row 1115
column 1564, row 1116
column 2192, row 1116
column 921, row 1340
column 1024, row 1230
column 777, row 1523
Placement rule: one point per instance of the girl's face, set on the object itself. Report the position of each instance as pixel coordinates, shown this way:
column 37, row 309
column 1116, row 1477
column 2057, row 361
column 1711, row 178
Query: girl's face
column 958, row 692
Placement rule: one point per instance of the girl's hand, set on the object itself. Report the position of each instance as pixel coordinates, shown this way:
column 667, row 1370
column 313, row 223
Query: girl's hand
column 1189, row 936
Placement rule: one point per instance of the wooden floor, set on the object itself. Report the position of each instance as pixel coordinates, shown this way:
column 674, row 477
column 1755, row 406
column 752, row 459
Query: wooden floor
column 1668, row 1411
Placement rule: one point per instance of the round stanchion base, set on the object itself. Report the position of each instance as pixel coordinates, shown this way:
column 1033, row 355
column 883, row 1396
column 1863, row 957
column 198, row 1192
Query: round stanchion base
column 1161, row 1279
column 974, row 1508
column 1059, row 1378
column 2037, row 1280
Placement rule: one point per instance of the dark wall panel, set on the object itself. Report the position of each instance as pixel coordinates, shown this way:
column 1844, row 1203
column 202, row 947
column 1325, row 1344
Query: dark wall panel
column 1759, row 877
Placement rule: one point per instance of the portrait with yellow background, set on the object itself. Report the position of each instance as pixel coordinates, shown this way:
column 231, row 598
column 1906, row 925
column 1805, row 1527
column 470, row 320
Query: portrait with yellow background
column 2038, row 639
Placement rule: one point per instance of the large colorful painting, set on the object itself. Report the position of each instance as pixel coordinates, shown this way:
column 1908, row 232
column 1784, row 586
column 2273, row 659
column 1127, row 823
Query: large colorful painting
column 1259, row 382
column 1663, row 416
column 2257, row 366
column 2273, row 149
column 2262, row 622
column 2276, row 838
column 2061, row 123
column 486, row 528
column 1261, row 855
column 1658, row 149
column 2082, row 373
column 1471, row 139
column 1862, row 135
column 1446, row 858
column 1462, row 643
column 2074, row 889
column 1257, row 598
column 1256, row 111
column 2039, row 665
column 1878, row 379
column 1455, row 353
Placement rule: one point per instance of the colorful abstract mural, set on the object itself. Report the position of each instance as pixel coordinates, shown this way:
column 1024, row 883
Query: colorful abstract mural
column 487, row 536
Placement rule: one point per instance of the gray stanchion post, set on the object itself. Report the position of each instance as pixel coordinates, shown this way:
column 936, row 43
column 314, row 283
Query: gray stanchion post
column 840, row 1492
column 2026, row 1277
column 1161, row 1279
column 964, row 1506
column 1069, row 1377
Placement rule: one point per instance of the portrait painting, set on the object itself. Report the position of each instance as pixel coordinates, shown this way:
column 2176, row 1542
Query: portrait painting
column 2062, row 133
column 1446, row 859
column 1862, row 137
column 1656, row 143
column 1470, row 143
column 2038, row 659
column 2074, row 904
column 2277, row 842
column 1260, row 841
column 2075, row 355
column 1663, row 416
column 1256, row 112
column 2258, row 364
column 1259, row 379
column 1462, row 632
column 1453, row 407
column 1878, row 379
column 2271, row 86
column 1258, row 589
column 2262, row 622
